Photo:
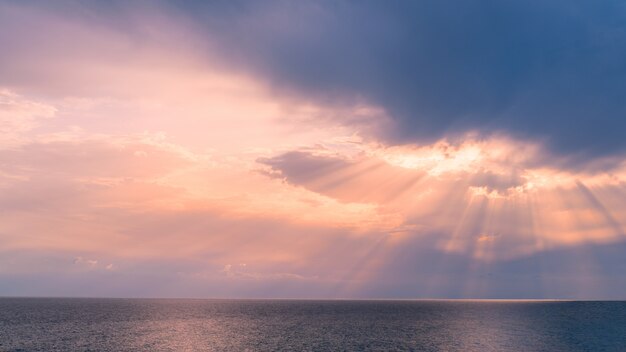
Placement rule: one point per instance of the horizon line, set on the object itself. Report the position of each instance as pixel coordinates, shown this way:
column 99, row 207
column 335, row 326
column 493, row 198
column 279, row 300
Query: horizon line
column 325, row 299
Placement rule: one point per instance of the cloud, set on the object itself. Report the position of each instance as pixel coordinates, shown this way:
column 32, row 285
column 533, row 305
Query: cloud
column 496, row 182
column 19, row 115
column 362, row 180
column 361, row 149
column 94, row 158
column 544, row 72
column 573, row 272
column 551, row 72
column 466, row 197
column 85, row 262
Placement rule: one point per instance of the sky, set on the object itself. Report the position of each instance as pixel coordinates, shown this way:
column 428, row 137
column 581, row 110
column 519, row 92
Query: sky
column 313, row 149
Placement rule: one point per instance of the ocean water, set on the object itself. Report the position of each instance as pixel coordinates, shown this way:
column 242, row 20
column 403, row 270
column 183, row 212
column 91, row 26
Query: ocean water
column 57, row 324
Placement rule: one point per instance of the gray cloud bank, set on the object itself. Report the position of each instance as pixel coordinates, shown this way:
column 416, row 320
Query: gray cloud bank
column 548, row 71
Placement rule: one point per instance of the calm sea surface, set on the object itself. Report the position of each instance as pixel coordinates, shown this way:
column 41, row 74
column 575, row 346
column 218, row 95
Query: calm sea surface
column 53, row 324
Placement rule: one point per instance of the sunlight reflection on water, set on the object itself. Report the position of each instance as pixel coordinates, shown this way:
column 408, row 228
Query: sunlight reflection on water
column 271, row 325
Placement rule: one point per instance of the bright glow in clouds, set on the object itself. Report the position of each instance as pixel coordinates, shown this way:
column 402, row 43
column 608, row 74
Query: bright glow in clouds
column 135, row 165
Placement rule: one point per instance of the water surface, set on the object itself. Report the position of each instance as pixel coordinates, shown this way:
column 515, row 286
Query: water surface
column 59, row 324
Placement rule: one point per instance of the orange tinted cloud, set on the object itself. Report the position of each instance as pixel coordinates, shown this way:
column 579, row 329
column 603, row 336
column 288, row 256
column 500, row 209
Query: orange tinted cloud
column 126, row 156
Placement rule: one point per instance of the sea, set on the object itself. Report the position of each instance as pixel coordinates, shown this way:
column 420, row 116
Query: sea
column 94, row 324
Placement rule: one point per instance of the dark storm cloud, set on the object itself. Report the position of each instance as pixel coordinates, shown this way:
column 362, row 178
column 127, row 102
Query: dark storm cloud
column 551, row 71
